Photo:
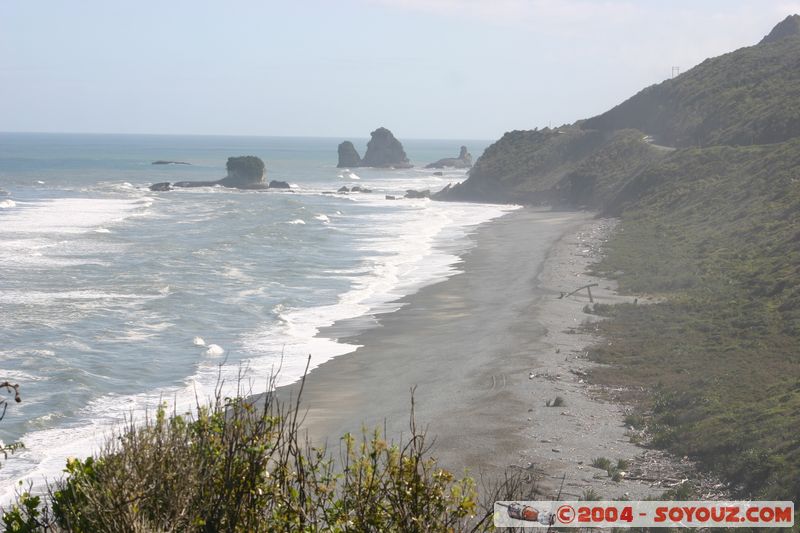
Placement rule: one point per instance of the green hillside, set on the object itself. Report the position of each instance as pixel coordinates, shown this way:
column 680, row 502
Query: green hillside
column 716, row 232
column 750, row 96
column 565, row 166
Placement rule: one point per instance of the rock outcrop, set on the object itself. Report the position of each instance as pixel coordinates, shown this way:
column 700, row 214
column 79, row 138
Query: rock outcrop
column 348, row 156
column 411, row 193
column 244, row 172
column 464, row 160
column 384, row 151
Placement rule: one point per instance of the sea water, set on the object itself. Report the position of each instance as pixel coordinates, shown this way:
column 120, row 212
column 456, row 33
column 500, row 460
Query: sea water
column 114, row 298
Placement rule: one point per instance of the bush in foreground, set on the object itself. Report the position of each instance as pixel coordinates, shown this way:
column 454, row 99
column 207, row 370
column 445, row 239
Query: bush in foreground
column 237, row 465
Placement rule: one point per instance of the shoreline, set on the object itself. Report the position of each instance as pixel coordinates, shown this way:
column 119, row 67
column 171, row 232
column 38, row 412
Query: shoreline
column 484, row 350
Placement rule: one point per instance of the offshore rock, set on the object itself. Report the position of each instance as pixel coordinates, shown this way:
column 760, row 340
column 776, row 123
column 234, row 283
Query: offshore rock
column 385, row 151
column 348, row 156
column 418, row 194
column 464, row 160
column 244, row 172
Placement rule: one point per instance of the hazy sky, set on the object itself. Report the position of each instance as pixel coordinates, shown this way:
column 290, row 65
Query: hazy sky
column 340, row 68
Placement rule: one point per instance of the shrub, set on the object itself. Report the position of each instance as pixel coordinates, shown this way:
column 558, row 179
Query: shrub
column 241, row 465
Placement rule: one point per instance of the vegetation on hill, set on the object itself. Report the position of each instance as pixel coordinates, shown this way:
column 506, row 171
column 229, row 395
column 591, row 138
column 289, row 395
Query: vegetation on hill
column 567, row 165
column 715, row 233
column 750, row 96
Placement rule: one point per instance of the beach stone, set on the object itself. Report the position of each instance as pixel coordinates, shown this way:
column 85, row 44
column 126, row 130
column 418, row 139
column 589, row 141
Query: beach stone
column 277, row 184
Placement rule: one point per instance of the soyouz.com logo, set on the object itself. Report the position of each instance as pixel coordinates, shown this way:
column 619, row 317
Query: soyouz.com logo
column 644, row 514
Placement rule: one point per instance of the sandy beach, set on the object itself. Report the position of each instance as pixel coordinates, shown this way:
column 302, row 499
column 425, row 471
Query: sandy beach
column 485, row 350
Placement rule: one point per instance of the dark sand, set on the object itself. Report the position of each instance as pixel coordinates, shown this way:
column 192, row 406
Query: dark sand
column 469, row 345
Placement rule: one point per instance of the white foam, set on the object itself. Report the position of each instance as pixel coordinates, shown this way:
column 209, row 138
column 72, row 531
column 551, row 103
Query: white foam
column 214, row 350
column 47, row 298
column 323, row 218
column 7, row 204
column 296, row 221
column 198, row 341
column 67, row 215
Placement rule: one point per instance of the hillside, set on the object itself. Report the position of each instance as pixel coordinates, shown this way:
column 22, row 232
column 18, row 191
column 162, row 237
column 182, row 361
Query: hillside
column 565, row 166
column 713, row 229
column 716, row 233
column 750, row 96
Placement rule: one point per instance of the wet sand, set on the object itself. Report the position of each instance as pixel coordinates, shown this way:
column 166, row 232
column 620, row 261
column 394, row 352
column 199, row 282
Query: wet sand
column 484, row 351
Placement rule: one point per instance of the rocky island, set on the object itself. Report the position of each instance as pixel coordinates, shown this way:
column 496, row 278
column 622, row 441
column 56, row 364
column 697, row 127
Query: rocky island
column 383, row 151
column 244, row 172
column 464, row 160
column 348, row 156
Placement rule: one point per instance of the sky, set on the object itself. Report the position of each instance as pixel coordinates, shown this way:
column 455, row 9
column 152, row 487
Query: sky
column 449, row 69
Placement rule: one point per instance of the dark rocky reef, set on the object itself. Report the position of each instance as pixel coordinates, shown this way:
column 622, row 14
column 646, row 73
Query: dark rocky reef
column 163, row 162
column 464, row 160
column 348, row 156
column 344, row 189
column 244, row 172
column 383, row 151
column 411, row 193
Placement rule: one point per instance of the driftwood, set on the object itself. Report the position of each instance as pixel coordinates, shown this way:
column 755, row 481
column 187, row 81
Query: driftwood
column 588, row 289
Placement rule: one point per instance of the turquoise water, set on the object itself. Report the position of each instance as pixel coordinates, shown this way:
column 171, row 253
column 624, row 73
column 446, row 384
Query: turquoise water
column 111, row 296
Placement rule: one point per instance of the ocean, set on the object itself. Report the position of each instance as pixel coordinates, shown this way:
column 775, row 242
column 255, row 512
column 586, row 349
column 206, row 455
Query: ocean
column 114, row 298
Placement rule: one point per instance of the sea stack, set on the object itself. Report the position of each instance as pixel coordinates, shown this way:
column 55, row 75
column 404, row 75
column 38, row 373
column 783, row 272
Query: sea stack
column 348, row 156
column 384, row 151
column 244, row 172
column 464, row 160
